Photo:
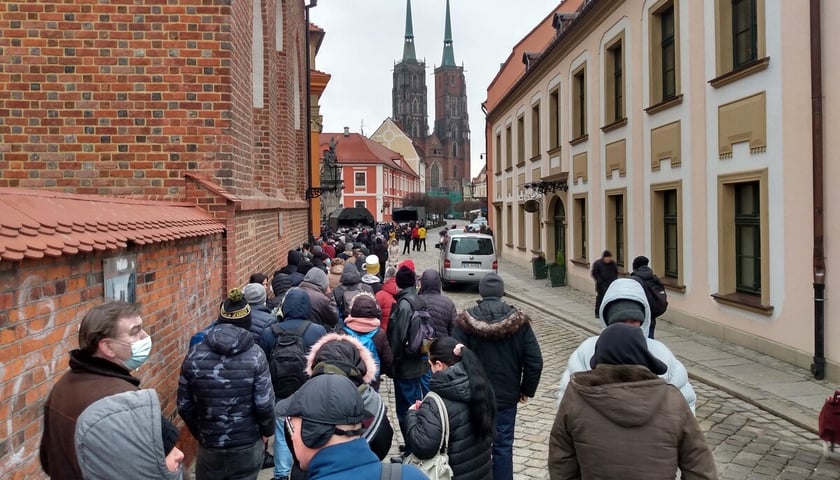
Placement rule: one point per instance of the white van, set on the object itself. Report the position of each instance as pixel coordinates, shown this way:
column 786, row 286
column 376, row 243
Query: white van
column 465, row 258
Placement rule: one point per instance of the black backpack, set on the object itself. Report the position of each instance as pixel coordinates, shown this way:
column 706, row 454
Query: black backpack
column 287, row 364
column 421, row 328
column 655, row 293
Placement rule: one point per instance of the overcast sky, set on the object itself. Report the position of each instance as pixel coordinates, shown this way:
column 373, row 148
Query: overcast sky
column 364, row 39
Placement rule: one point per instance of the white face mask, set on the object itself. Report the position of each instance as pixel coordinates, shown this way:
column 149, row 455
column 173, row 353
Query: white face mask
column 140, row 351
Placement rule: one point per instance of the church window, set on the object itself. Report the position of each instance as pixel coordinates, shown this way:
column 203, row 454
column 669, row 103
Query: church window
column 455, row 151
column 435, row 175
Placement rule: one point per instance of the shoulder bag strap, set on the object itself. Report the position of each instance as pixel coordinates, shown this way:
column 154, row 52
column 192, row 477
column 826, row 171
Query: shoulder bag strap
column 444, row 420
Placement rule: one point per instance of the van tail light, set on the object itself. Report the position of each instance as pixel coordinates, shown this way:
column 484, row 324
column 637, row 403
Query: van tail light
column 448, row 264
column 495, row 265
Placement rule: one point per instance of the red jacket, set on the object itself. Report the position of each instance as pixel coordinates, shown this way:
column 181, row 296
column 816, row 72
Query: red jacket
column 386, row 301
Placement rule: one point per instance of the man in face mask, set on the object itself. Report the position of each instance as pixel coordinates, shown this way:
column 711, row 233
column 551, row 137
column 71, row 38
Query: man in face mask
column 112, row 343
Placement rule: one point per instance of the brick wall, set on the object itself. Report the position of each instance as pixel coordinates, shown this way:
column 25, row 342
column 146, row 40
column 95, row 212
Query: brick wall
column 123, row 97
column 41, row 304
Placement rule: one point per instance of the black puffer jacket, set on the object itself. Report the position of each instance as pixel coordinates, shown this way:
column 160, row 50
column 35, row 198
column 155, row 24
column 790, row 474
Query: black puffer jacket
column 502, row 338
column 351, row 285
column 469, row 455
column 441, row 308
column 224, row 392
column 261, row 318
column 280, row 284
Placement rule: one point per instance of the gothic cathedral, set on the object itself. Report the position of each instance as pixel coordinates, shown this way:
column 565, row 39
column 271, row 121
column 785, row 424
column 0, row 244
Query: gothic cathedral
column 446, row 152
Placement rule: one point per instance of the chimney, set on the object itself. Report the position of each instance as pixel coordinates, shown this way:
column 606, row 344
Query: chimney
column 346, row 131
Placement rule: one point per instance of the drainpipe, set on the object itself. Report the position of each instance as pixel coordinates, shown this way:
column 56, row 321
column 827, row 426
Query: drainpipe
column 818, row 367
column 309, row 235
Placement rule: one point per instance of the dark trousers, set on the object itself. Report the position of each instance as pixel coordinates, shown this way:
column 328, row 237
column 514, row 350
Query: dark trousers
column 415, row 244
column 599, row 297
column 422, row 244
column 503, row 446
column 406, row 246
column 235, row 463
column 406, row 392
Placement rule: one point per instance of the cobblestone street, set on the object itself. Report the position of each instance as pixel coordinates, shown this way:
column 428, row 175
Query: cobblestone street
column 747, row 442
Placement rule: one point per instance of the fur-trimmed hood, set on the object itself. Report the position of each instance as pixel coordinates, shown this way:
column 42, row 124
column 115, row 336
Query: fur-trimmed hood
column 344, row 355
column 492, row 330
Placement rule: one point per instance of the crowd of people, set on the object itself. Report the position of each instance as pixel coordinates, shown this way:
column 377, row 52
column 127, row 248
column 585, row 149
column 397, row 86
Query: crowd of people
column 300, row 356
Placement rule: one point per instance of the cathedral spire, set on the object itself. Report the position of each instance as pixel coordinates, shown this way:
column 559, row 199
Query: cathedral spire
column 448, row 53
column 408, row 46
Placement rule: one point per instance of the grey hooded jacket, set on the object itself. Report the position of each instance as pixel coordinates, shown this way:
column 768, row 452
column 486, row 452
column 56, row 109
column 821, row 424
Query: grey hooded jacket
column 120, row 437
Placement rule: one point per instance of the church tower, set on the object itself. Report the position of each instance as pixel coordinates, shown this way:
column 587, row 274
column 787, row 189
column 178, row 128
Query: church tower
column 452, row 127
column 409, row 104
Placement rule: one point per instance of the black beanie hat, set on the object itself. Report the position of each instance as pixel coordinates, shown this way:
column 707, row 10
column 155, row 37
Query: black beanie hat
column 170, row 435
column 235, row 310
column 491, row 285
column 622, row 310
column 405, row 278
column 622, row 344
column 640, row 261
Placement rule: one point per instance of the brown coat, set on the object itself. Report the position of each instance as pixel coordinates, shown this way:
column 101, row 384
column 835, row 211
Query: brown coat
column 622, row 421
column 89, row 379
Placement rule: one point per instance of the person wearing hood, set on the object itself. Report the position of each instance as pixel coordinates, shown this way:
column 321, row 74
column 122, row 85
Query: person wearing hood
column 363, row 324
column 280, row 284
column 302, row 269
column 261, row 317
column 459, row 379
column 351, row 285
column 441, row 307
column 502, row 338
column 625, row 301
column 654, row 290
column 293, row 258
column 112, row 343
column 620, row 405
column 225, row 396
column 345, row 355
column 371, row 275
column 317, row 287
column 297, row 311
column 393, row 252
column 125, row 435
column 385, row 296
column 380, row 250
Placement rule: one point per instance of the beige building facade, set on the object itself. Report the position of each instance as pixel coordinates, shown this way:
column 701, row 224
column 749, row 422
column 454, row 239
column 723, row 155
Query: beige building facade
column 682, row 131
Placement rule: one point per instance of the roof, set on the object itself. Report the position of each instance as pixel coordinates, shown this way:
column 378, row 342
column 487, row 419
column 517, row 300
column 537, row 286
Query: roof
column 37, row 223
column 360, row 150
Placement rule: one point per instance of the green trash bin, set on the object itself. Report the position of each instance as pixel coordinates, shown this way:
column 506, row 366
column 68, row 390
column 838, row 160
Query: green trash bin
column 557, row 275
column 539, row 268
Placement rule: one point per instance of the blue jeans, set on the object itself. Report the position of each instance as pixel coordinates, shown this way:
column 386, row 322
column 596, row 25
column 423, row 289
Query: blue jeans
column 503, row 446
column 235, row 463
column 406, row 392
column 426, row 378
column 282, row 454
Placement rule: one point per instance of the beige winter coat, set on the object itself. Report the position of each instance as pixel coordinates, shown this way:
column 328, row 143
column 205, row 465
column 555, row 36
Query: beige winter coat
column 622, row 421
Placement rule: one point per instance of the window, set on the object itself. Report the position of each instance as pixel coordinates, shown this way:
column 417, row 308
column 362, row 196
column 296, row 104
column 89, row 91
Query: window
column 471, row 246
column 614, row 82
column 535, row 130
column 520, row 230
column 509, row 224
column 670, row 233
column 744, row 240
column 435, row 176
column 360, row 179
column 616, row 233
column 579, row 106
column 664, row 52
column 739, row 38
column 554, row 118
column 497, row 152
column 580, row 237
column 747, row 238
column 359, row 204
column 520, row 140
column 666, row 232
column 743, row 32
column 508, row 147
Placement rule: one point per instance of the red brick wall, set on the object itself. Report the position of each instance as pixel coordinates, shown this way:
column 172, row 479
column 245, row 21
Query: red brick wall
column 42, row 302
column 124, row 97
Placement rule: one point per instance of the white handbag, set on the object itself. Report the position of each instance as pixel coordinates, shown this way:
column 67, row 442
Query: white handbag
column 437, row 467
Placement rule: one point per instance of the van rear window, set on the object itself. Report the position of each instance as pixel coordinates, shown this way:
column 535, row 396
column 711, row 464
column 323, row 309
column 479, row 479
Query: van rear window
column 471, row 246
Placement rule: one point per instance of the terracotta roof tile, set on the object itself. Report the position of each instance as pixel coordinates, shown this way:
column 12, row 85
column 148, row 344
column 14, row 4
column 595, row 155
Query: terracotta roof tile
column 358, row 149
column 35, row 224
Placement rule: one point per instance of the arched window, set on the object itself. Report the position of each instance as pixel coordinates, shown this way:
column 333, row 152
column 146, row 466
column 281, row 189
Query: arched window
column 455, row 150
column 257, row 57
column 435, row 176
